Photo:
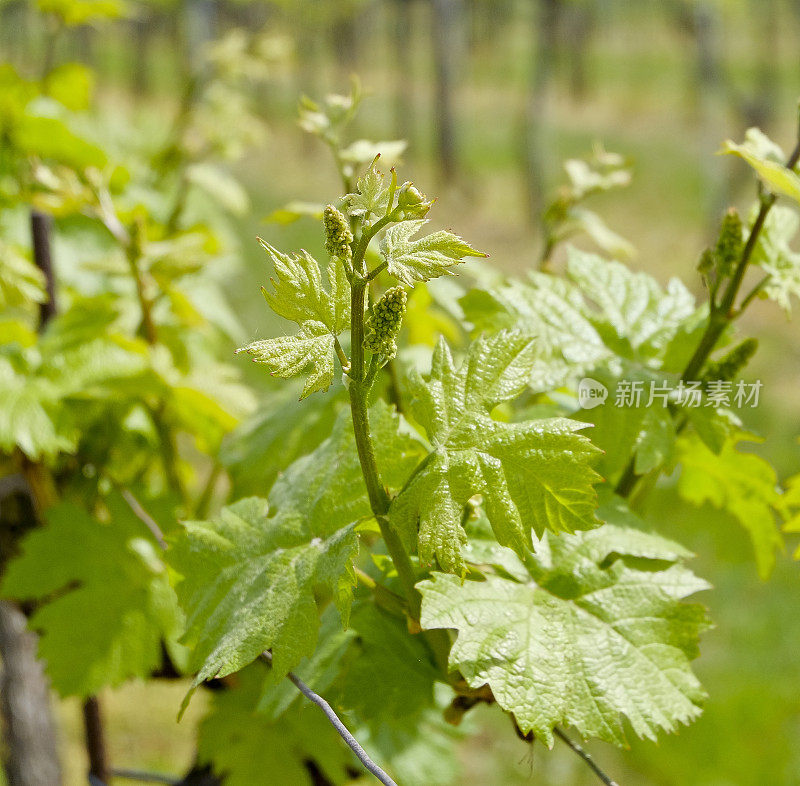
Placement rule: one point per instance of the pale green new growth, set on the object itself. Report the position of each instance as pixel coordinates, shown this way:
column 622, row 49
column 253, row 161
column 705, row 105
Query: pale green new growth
column 767, row 159
column 299, row 292
column 428, row 257
column 321, row 314
column 589, row 628
column 288, row 356
column 742, row 484
column 371, row 196
column 776, row 257
column 532, row 475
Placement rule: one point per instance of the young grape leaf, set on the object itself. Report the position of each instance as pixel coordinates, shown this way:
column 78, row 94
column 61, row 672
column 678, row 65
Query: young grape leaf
column 250, row 574
column 762, row 154
column 362, row 151
column 319, row 671
column 774, row 254
column 288, row 356
column 742, row 484
column 44, row 392
column 299, row 292
column 105, row 600
column 280, row 431
column 294, row 211
column 371, row 196
column 594, row 631
column 249, row 584
column 300, row 297
column 534, row 474
column 428, row 257
column 580, row 220
column 633, row 304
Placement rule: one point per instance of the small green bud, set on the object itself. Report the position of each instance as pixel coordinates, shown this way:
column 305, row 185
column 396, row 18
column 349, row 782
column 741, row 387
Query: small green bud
column 729, row 244
column 338, row 236
column 383, row 323
column 411, row 203
column 729, row 366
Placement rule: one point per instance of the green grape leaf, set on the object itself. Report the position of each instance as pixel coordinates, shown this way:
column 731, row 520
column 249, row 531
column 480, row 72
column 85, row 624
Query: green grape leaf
column 417, row 750
column 386, row 657
column 604, row 312
column 30, row 417
column 428, row 257
column 789, row 507
column 250, row 574
column 250, row 747
column 596, row 631
column 633, row 304
column 567, row 344
column 44, row 392
column 70, row 84
column 774, row 254
column 249, row 582
column 105, row 597
column 319, row 671
column 287, row 356
column 761, row 157
column 580, row 220
column 532, row 475
column 655, row 443
column 50, row 138
column 321, row 314
column 371, row 196
column 280, row 431
column 742, row 484
column 299, row 292
column 226, row 190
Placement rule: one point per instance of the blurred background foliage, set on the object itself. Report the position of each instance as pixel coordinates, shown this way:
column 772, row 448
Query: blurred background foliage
column 492, row 97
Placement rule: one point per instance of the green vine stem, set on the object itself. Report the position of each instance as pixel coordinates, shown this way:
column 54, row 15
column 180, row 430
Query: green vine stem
column 359, row 392
column 721, row 314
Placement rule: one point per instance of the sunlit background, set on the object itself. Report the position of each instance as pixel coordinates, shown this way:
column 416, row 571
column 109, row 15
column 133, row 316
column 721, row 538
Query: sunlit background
column 492, row 97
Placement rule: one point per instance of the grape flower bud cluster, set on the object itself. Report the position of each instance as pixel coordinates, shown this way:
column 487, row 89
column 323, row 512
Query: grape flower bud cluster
column 338, row 236
column 383, row 323
column 729, row 366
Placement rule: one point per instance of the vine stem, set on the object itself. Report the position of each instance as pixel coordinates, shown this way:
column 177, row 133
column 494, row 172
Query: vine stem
column 336, row 722
column 579, row 750
column 378, row 498
column 723, row 313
